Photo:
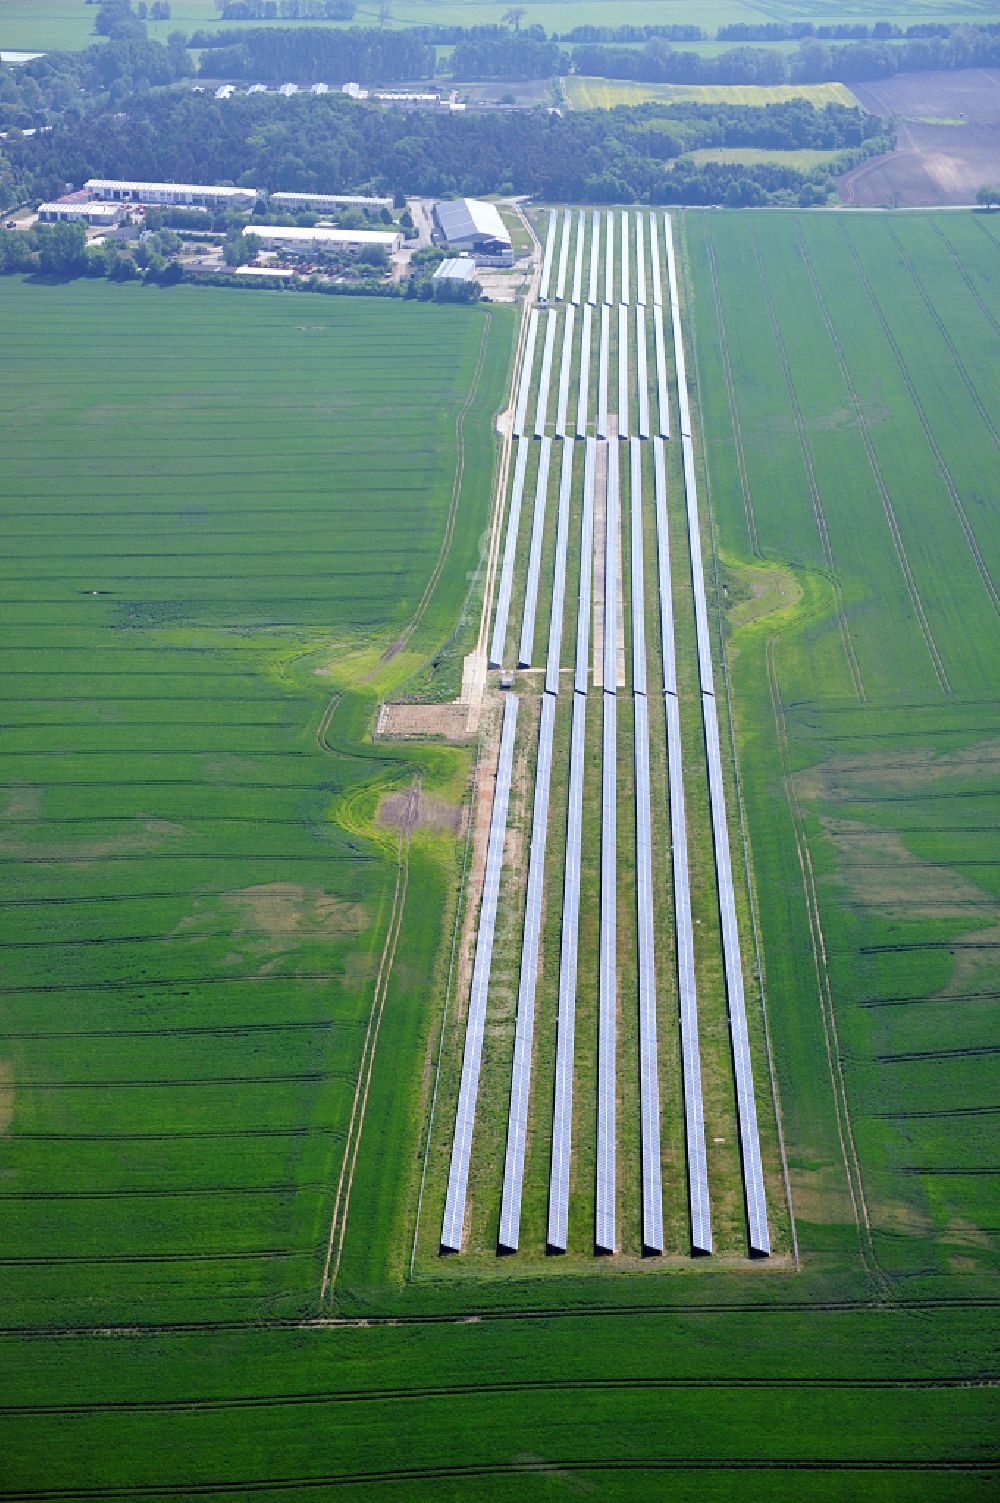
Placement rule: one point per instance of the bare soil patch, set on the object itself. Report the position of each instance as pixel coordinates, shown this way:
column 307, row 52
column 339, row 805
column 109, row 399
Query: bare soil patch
column 396, row 810
column 451, row 721
column 948, row 140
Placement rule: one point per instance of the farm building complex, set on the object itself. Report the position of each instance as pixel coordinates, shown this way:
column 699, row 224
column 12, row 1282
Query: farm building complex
column 321, row 238
column 297, row 201
column 456, row 269
column 110, row 190
column 98, row 215
column 467, row 224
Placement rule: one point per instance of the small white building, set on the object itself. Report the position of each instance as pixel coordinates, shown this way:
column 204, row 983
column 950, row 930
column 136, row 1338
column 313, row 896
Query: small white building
column 288, row 89
column 225, row 91
column 319, row 88
column 456, row 269
column 296, row 237
column 206, row 196
column 100, row 215
column 320, row 201
column 475, row 227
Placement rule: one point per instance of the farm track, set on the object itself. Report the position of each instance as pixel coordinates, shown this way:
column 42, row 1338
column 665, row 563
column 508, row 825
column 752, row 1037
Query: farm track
column 853, row 665
column 959, row 266
column 932, row 442
column 521, row 1468
column 876, row 469
column 942, row 328
column 222, row 1402
column 338, row 1221
column 529, row 1314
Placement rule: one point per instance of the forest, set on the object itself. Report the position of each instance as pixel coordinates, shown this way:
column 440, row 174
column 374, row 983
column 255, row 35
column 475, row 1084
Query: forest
column 334, row 144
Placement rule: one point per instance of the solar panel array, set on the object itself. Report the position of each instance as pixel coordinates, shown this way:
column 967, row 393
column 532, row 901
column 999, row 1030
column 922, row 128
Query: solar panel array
column 753, row 1174
column 465, row 1117
column 564, row 268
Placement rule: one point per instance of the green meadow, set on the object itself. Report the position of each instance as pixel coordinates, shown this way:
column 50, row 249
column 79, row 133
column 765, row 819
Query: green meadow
column 201, row 893
column 54, row 24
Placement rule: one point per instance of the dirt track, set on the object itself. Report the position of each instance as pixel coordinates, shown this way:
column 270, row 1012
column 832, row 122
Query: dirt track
column 948, row 127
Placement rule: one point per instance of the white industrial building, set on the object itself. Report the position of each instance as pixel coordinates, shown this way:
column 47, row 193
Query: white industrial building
column 198, row 194
column 469, row 225
column 319, row 201
column 456, row 269
column 101, row 216
column 296, row 237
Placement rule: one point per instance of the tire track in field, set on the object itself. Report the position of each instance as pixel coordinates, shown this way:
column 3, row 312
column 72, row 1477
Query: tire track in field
column 876, row 469
column 942, row 328
column 179, row 1193
column 945, row 472
column 963, row 273
column 144, row 982
column 831, row 1040
column 738, row 448
column 854, row 667
column 223, row 1402
column 917, row 1305
column 954, row 1111
column 526, row 1466
column 224, row 1030
column 195, row 1082
column 180, row 1135
column 338, row 1220
column 456, row 496
column 973, row 1052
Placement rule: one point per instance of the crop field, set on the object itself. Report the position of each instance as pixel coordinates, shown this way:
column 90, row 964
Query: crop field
column 848, row 370
column 194, row 905
column 51, row 24
column 843, row 386
column 604, row 93
column 749, row 156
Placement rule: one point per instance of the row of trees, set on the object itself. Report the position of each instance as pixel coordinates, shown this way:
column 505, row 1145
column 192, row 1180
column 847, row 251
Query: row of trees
column 813, row 62
column 366, row 55
column 332, row 144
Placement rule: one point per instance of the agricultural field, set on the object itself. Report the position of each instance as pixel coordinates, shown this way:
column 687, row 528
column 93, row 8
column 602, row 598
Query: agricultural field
column 843, row 380
column 948, row 140
column 604, row 93
column 197, row 885
column 50, row 24
column 802, row 160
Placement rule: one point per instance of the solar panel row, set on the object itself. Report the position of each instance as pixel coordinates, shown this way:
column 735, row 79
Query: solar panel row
column 640, row 261
column 550, row 244
column 604, row 1235
column 623, row 403
column 625, row 297
column 577, row 293
column 563, row 255
column 595, row 256
column 465, row 1116
column 641, row 373
column 662, row 388
column 527, row 363
column 609, row 257
column 545, row 377
column 694, row 1115
column 654, row 261
column 584, row 396
column 602, row 373
column 526, row 648
column 562, row 400
column 552, row 661
column 649, row 1088
column 509, row 551
column 753, row 1177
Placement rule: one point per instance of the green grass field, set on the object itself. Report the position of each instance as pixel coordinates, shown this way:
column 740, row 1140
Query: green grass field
column 49, row 24
column 750, row 156
column 194, row 906
column 604, row 93
column 844, row 377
